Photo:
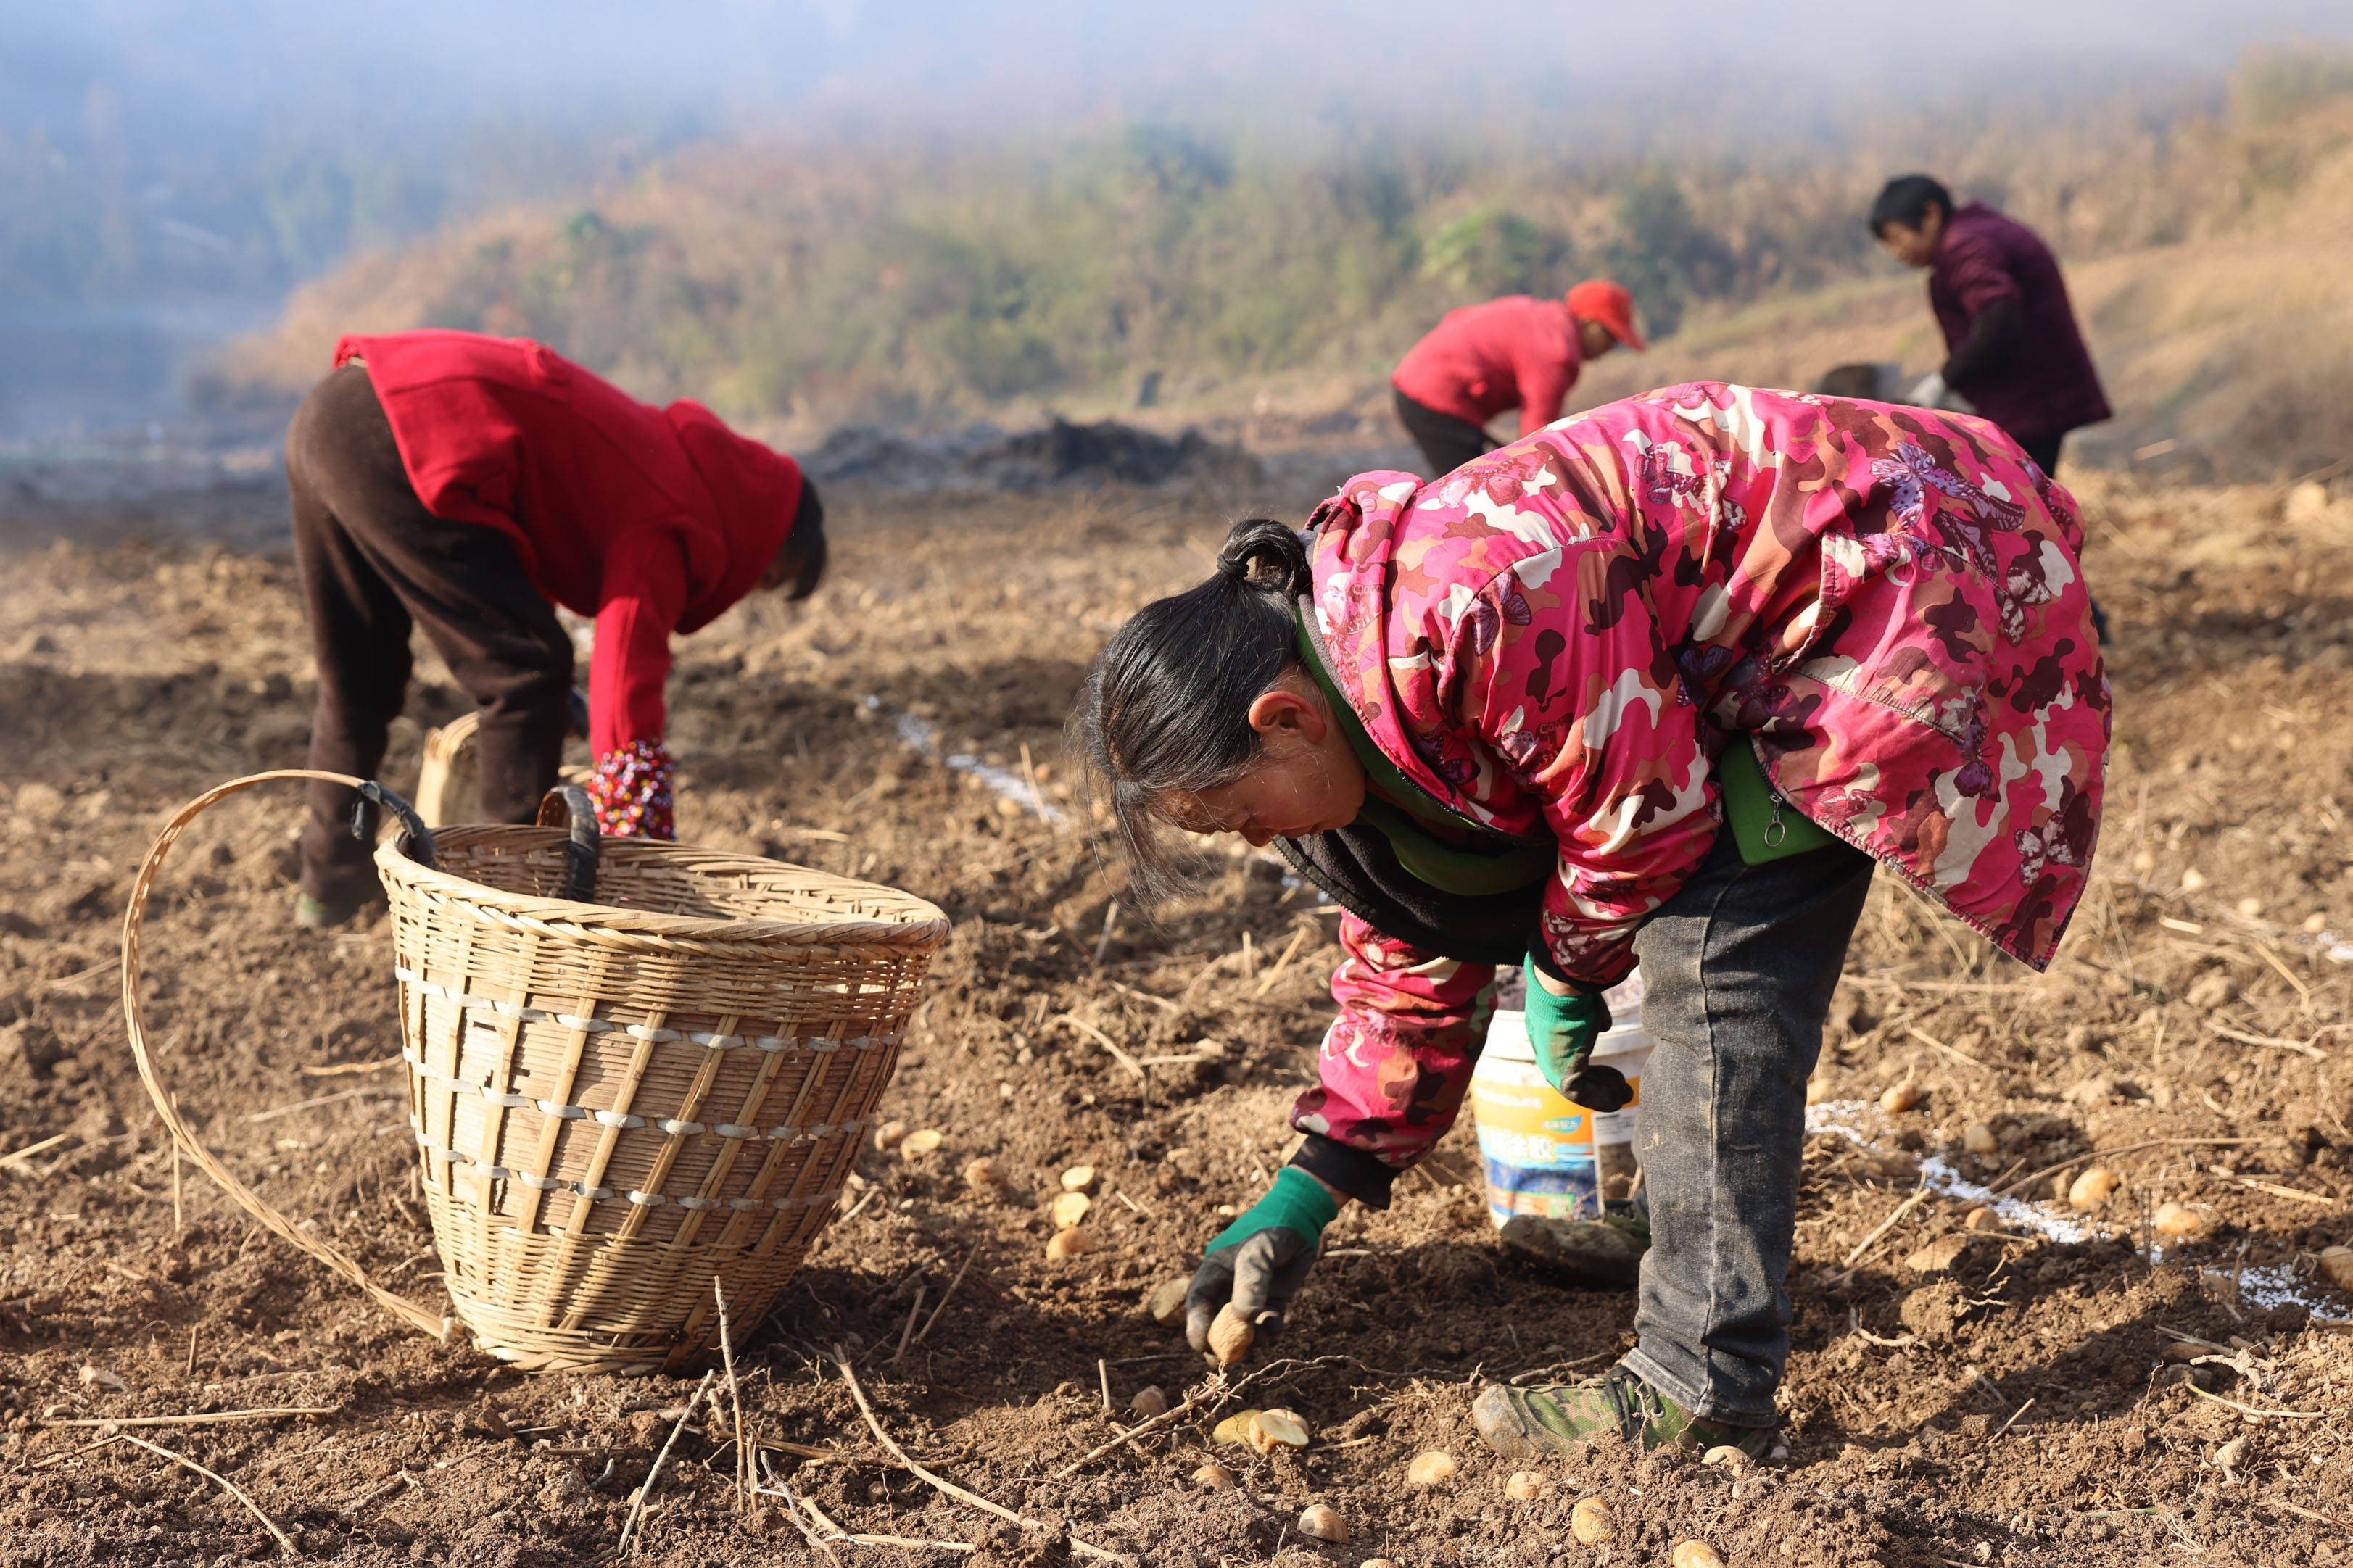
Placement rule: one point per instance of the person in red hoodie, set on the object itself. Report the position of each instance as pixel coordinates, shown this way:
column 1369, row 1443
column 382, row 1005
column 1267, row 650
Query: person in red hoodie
column 467, row 484
column 1518, row 351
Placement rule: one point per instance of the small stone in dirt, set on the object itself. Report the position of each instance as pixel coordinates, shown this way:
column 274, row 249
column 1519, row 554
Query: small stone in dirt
column 2173, row 1219
column 1696, row 1554
column 1977, row 1138
column 1071, row 1208
column 1149, row 1402
column 1889, row 1166
column 1376, row 1563
column 985, row 1175
column 2336, row 1267
column 1727, row 1454
column 1940, row 1254
column 1527, row 1486
column 2092, row 1188
column 1982, row 1219
column 1215, row 1477
column 1231, row 1334
column 1321, row 1523
column 1166, row 1304
column 98, row 1377
column 2216, row 990
column 1590, row 1521
column 1272, row 1429
column 1077, row 1178
column 889, row 1135
column 920, row 1143
column 2100, row 1089
column 1068, row 1244
column 1900, row 1097
column 2231, row 1455
column 1433, row 1468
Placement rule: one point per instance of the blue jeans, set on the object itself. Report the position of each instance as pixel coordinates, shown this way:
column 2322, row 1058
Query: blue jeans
column 1737, row 971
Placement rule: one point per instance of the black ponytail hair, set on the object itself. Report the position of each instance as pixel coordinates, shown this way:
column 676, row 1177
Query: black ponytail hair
column 1166, row 711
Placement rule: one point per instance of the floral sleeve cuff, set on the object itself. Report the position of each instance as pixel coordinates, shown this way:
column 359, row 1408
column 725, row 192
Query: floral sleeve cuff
column 630, row 790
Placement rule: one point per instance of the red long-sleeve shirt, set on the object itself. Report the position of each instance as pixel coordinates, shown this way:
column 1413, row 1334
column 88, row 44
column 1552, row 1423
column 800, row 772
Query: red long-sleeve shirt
column 1518, row 351
column 651, row 520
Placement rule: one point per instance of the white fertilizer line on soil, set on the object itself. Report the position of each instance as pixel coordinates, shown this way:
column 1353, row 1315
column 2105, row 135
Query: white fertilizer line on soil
column 923, row 737
column 2265, row 1286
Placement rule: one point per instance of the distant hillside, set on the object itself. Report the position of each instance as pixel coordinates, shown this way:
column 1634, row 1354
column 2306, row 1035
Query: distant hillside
column 797, row 287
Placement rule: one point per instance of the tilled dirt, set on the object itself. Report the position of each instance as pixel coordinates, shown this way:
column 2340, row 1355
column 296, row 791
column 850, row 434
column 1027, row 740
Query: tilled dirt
column 2005, row 1396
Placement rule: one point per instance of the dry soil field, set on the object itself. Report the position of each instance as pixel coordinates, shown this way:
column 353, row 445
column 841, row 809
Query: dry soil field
column 2060, row 1391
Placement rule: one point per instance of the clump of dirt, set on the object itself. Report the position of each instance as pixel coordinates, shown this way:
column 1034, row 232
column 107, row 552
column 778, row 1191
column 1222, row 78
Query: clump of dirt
column 2030, row 1393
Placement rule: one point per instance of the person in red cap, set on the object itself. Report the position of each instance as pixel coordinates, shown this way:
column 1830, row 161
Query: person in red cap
column 467, row 484
column 1518, row 351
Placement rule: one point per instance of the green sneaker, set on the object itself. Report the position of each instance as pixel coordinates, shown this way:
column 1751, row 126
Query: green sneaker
column 1599, row 1255
column 1528, row 1423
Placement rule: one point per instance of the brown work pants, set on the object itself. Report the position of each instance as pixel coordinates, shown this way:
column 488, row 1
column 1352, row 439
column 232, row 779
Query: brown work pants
column 372, row 563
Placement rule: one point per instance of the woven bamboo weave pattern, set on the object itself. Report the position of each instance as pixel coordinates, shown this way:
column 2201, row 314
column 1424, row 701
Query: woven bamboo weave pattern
column 617, row 1103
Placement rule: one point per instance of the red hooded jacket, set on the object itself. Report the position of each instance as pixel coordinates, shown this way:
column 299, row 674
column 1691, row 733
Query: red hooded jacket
column 651, row 520
column 1518, row 351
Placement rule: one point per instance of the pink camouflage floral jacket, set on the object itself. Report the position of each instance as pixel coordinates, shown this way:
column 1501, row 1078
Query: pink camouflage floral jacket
column 1563, row 636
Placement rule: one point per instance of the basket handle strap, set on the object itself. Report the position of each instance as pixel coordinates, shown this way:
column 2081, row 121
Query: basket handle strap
column 569, row 807
column 135, row 1019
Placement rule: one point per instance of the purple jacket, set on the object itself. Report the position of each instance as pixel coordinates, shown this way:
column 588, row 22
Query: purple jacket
column 2014, row 348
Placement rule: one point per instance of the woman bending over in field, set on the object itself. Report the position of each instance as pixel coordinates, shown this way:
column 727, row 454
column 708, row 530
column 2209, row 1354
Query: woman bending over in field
column 1661, row 682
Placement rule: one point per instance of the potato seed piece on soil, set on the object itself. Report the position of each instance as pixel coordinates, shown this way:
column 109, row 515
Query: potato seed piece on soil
column 2336, row 1267
column 1433, row 1468
column 1527, row 1486
column 2092, row 1188
column 1077, row 1178
column 1070, row 1209
column 1234, row 1428
column 2172, row 1219
column 1321, row 1523
column 1149, row 1402
column 889, row 1135
column 1272, row 1429
column 1589, row 1520
column 983, row 1175
column 1231, row 1334
column 1166, row 1303
column 1696, row 1554
column 1901, row 1098
column 1068, row 1244
column 920, row 1143
column 1214, row 1477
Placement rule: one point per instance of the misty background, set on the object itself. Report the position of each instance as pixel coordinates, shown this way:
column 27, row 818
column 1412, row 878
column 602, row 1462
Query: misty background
column 811, row 212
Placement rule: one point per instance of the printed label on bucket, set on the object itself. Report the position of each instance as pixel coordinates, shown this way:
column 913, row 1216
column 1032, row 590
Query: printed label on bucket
column 1535, row 1147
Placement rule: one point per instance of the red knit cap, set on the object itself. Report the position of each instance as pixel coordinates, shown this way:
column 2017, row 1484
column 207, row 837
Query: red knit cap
column 1599, row 300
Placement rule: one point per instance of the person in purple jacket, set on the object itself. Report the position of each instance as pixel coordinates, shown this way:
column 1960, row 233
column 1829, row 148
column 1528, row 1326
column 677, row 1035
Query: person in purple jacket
column 2012, row 348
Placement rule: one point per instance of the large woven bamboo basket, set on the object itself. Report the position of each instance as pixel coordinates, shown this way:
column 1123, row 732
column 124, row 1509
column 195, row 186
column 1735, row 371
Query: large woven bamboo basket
column 618, row 1103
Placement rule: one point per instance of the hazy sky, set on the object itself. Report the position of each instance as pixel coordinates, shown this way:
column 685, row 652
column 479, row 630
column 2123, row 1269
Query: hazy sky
column 418, row 64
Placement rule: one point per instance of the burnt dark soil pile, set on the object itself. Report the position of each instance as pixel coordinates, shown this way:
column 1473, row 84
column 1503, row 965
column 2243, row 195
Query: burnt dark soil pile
column 2001, row 1397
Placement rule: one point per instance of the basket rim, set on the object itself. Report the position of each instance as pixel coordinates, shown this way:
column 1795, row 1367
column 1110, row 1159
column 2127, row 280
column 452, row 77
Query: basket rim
column 926, row 927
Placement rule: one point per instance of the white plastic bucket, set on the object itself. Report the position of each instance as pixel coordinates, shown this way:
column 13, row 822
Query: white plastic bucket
column 1540, row 1153
column 1536, row 1149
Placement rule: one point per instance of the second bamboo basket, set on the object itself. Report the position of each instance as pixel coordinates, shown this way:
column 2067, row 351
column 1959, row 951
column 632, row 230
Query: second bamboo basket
column 618, row 1103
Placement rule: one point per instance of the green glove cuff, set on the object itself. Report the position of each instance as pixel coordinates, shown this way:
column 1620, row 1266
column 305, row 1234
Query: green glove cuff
column 1561, row 1028
column 1296, row 1201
